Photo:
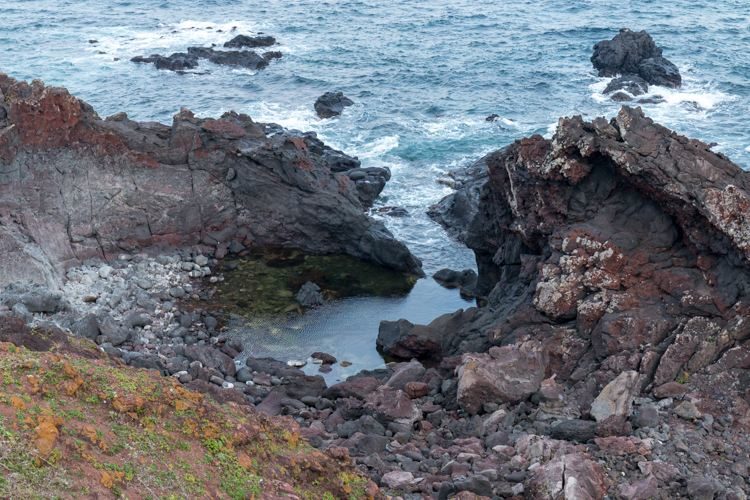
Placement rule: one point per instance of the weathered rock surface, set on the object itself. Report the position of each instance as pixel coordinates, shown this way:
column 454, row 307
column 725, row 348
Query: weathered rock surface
column 507, row 374
column 74, row 186
column 635, row 53
column 331, row 104
column 621, row 244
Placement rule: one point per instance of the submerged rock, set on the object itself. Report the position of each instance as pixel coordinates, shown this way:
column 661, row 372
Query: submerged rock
column 635, row 53
column 331, row 104
column 309, row 295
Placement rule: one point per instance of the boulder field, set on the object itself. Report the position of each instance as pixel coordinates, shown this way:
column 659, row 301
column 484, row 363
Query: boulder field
column 609, row 356
column 75, row 186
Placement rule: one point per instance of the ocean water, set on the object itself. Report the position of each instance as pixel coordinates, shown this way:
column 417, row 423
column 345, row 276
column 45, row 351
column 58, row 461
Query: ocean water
column 424, row 75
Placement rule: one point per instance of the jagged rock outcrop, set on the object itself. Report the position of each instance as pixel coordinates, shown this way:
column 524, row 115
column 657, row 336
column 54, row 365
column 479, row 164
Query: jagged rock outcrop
column 75, row 186
column 249, row 59
column 636, row 57
column 621, row 246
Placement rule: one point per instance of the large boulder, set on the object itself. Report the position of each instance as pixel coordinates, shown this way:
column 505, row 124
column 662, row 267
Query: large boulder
column 507, row 374
column 404, row 340
column 90, row 187
column 635, row 53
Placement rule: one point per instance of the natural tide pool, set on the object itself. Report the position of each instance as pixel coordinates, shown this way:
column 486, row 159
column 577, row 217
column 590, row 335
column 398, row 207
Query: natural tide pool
column 258, row 294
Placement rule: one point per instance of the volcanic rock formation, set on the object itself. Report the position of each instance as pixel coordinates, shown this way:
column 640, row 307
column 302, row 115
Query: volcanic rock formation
column 636, row 59
column 619, row 245
column 74, row 186
column 182, row 61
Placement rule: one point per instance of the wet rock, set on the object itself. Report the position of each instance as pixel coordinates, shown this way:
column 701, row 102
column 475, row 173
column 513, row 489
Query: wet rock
column 324, row 358
column 245, row 41
column 178, row 61
column 507, row 374
column 331, row 104
column 660, row 71
column 455, row 279
column 405, row 340
column 634, row 85
column 242, row 58
column 616, row 398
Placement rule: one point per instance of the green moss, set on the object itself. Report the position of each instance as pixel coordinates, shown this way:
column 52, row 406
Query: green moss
column 266, row 284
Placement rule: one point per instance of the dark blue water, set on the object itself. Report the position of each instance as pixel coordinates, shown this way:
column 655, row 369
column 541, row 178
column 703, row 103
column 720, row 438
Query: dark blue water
column 424, row 76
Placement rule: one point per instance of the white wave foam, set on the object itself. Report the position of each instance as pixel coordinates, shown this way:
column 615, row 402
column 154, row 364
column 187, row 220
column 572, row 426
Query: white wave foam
column 451, row 128
column 378, row 147
column 695, row 98
column 123, row 42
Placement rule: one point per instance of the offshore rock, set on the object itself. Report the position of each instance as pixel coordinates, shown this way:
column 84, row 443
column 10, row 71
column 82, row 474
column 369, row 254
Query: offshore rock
column 635, row 53
column 74, row 186
column 242, row 41
column 331, row 104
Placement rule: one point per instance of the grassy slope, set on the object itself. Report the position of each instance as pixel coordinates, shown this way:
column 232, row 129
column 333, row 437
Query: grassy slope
column 74, row 423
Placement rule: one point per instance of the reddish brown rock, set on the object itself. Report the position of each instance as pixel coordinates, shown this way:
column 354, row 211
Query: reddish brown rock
column 620, row 246
column 506, row 374
column 75, row 186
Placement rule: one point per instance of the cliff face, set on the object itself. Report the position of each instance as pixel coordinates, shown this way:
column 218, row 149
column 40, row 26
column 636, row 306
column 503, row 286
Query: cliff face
column 74, row 186
column 619, row 245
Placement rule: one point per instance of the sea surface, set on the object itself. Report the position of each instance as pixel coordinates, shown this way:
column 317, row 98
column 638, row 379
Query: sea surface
column 424, row 75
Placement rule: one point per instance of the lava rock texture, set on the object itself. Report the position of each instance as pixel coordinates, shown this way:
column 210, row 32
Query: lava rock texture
column 75, row 186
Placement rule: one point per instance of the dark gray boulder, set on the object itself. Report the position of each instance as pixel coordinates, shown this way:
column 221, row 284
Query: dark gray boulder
column 331, row 104
column 179, row 61
column 660, row 71
column 245, row 41
column 632, row 84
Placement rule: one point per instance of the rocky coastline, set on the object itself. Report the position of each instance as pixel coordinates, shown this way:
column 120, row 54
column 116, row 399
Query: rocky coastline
column 608, row 355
